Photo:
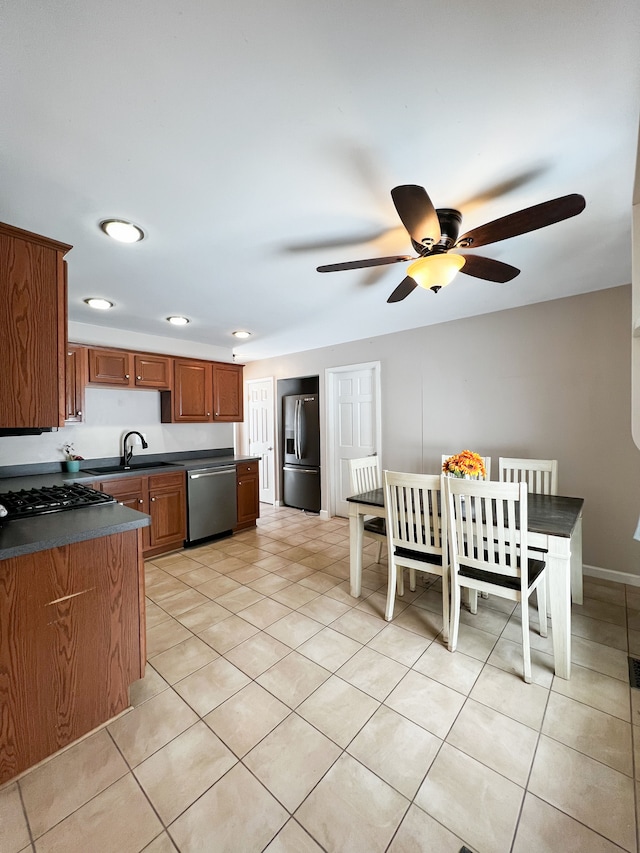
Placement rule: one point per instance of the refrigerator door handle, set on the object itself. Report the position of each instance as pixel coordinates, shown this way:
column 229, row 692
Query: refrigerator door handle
column 297, row 429
column 300, row 470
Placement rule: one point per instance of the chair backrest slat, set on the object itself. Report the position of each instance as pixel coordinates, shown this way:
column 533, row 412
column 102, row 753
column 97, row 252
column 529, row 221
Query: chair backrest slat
column 540, row 475
column 414, row 512
column 488, row 526
column 364, row 474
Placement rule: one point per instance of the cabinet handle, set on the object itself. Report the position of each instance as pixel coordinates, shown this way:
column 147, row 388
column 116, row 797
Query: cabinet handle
column 217, row 414
column 140, row 501
column 78, row 414
column 126, row 376
column 138, row 378
column 208, row 414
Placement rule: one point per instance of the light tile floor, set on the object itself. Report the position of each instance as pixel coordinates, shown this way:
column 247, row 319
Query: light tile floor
column 278, row 714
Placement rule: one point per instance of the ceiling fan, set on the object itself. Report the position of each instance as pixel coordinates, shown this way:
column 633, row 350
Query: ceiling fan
column 434, row 233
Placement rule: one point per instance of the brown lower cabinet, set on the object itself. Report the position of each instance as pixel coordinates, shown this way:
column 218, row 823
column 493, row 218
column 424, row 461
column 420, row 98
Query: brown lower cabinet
column 163, row 497
column 72, row 641
column 248, row 492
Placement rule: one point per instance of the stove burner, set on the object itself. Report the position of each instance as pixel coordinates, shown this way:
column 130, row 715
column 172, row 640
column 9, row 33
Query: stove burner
column 30, row 502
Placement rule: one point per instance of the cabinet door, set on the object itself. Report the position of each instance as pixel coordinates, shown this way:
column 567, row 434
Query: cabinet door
column 167, row 508
column 191, row 391
column 76, row 372
column 70, row 644
column 34, row 325
column 131, row 492
column 110, row 367
column 227, row 392
column 248, row 494
column 152, row 371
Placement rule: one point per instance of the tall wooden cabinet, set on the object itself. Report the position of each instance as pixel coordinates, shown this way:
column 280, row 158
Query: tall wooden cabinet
column 33, row 319
column 248, row 494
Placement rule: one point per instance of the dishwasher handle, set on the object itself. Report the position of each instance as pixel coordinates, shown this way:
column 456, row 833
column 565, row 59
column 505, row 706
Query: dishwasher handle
column 196, row 475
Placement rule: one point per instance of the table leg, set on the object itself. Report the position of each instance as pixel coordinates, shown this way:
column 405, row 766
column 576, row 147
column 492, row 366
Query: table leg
column 356, row 530
column 559, row 585
column 576, row 563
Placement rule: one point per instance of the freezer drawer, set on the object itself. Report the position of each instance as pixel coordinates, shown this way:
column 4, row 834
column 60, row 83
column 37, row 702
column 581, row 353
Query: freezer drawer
column 302, row 487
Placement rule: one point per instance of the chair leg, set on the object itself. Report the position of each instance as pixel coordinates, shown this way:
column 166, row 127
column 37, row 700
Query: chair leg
column 379, row 557
column 445, row 605
column 391, row 590
column 541, row 596
column 455, row 615
column 400, row 581
column 473, row 600
column 526, row 648
column 412, row 580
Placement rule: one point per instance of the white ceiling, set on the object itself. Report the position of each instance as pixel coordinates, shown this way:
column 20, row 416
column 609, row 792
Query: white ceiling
column 247, row 137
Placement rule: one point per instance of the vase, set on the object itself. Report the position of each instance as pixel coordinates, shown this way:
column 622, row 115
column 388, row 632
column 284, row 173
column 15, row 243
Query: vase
column 72, row 465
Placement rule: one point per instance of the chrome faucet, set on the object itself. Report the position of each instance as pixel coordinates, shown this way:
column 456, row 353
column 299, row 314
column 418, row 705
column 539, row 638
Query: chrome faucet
column 127, row 453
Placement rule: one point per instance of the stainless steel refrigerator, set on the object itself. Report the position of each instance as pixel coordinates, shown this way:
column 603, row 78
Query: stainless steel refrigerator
column 301, row 469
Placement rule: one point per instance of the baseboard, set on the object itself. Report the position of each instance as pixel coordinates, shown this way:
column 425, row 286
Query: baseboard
column 611, row 575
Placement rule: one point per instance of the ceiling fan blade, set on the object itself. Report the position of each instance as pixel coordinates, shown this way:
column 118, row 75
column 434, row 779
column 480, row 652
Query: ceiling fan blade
column 523, row 221
column 406, row 286
column 368, row 262
column 487, row 268
column 417, row 213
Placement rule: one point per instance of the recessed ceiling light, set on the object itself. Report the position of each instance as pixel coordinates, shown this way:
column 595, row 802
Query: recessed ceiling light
column 124, row 232
column 100, row 304
column 178, row 321
column 241, row 334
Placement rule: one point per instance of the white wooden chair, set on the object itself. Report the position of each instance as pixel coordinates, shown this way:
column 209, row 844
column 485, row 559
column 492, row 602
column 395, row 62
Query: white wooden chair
column 416, row 538
column 540, row 475
column 485, row 459
column 364, row 475
column 494, row 515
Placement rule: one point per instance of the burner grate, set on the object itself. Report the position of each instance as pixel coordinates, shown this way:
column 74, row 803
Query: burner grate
column 26, row 503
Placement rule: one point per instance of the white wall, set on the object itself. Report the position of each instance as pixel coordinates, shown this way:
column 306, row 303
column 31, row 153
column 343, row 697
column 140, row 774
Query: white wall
column 109, row 413
column 550, row 380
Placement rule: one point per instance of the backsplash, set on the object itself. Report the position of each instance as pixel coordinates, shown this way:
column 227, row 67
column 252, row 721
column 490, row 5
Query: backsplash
column 108, row 414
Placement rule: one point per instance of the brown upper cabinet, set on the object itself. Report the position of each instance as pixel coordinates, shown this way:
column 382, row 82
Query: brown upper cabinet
column 227, row 392
column 129, row 369
column 76, row 378
column 152, row 371
column 192, row 396
column 110, row 367
column 33, row 319
column 192, row 390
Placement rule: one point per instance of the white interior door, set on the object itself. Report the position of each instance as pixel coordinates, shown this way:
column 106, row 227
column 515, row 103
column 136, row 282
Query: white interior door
column 261, row 433
column 354, row 424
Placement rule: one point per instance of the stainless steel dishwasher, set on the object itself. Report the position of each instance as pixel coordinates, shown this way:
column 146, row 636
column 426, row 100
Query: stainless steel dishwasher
column 211, row 502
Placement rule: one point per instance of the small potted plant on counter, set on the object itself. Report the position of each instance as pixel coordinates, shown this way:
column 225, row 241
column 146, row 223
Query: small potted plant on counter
column 72, row 458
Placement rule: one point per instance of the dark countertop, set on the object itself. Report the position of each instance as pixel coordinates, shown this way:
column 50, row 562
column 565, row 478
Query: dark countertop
column 27, row 535
column 38, row 533
column 90, row 471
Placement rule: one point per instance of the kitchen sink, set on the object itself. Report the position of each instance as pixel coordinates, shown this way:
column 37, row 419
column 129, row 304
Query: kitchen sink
column 136, row 466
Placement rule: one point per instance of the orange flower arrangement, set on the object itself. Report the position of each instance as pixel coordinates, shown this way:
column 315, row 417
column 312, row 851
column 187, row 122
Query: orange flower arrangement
column 464, row 464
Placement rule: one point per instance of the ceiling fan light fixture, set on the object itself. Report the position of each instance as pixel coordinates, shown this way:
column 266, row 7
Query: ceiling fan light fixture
column 436, row 271
column 122, row 231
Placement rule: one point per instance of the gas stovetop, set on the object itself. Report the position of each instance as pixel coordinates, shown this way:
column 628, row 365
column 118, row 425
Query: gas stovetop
column 29, row 502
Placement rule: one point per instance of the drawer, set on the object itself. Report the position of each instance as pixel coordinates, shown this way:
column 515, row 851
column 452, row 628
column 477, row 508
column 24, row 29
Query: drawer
column 166, row 481
column 247, row 467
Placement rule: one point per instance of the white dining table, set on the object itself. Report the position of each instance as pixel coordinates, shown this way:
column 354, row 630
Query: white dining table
column 555, row 525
